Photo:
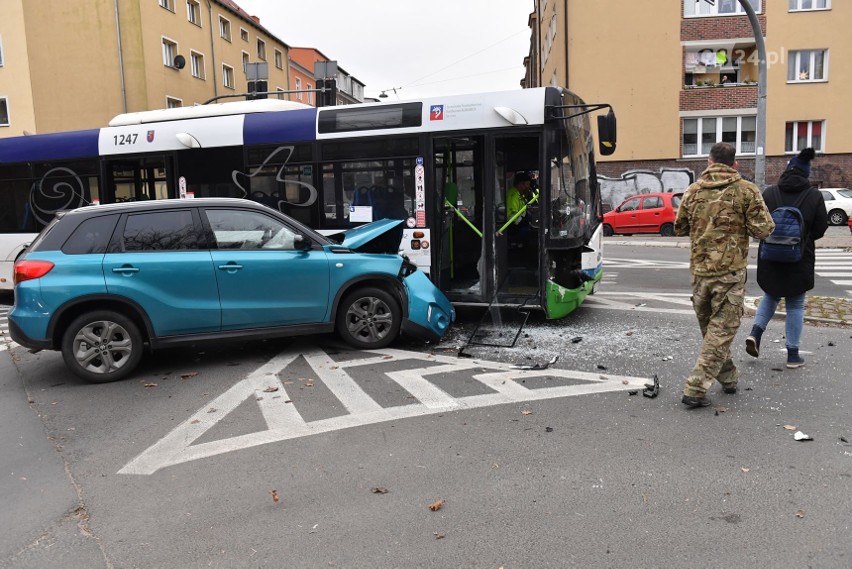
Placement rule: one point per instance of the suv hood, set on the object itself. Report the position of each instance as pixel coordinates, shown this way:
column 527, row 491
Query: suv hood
column 383, row 236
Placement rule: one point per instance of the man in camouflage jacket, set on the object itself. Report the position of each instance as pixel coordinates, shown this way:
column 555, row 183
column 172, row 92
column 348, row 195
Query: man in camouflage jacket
column 719, row 212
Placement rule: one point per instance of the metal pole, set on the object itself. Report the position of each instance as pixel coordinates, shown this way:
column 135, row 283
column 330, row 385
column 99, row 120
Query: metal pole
column 760, row 127
column 120, row 60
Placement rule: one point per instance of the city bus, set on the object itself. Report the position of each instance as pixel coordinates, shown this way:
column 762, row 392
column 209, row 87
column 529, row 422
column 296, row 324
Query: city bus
column 442, row 164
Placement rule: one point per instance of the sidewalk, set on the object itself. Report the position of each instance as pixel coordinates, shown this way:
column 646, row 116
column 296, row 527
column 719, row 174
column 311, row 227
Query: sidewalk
column 818, row 309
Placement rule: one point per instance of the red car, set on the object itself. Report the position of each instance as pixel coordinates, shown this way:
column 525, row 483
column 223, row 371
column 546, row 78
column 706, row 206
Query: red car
column 644, row 213
column 850, row 224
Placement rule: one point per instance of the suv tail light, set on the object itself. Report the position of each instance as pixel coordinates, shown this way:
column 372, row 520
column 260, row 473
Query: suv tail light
column 26, row 270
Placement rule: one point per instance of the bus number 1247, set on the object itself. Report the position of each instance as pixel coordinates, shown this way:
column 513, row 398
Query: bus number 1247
column 125, row 139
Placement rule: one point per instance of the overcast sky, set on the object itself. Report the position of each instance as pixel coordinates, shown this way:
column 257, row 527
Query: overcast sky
column 419, row 47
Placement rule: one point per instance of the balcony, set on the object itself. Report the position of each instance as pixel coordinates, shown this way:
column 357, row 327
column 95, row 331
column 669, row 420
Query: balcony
column 718, row 97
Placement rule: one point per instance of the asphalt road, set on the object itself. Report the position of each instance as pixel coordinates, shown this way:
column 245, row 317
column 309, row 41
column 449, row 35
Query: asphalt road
column 561, row 467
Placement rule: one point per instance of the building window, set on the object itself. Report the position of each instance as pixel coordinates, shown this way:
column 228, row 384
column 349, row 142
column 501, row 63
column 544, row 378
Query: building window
column 280, row 92
column 807, row 65
column 228, row 76
column 168, row 5
column 245, row 61
column 698, row 8
column 193, row 12
column 224, row 28
column 279, row 59
column 170, row 51
column 243, row 34
column 804, row 134
column 799, row 5
column 261, row 49
column 298, row 88
column 197, row 64
column 700, row 134
column 173, row 103
column 308, row 86
column 4, row 111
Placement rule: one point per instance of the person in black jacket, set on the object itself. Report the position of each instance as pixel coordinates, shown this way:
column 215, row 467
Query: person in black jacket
column 790, row 280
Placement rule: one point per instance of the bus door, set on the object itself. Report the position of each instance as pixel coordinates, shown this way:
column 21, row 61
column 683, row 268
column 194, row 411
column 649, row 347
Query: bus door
column 517, row 218
column 139, row 178
column 460, row 182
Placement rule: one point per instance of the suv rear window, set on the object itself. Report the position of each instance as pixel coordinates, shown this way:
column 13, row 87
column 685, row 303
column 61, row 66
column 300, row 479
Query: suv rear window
column 91, row 236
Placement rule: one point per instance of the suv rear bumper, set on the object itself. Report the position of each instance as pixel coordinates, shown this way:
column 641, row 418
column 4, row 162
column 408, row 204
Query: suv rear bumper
column 19, row 337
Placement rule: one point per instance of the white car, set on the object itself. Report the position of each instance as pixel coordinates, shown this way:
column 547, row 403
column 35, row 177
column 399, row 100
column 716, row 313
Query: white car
column 838, row 204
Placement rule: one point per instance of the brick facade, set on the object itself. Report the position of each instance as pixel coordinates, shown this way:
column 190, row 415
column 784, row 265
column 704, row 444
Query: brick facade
column 827, row 171
column 719, row 28
column 718, row 97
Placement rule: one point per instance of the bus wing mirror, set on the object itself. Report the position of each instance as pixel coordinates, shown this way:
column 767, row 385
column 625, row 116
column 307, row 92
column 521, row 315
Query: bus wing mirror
column 606, row 133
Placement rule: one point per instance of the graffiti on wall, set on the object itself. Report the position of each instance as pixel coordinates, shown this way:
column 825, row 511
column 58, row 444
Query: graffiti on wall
column 632, row 182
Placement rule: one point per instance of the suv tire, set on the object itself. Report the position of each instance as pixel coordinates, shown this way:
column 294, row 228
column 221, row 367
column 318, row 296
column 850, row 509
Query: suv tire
column 369, row 318
column 119, row 338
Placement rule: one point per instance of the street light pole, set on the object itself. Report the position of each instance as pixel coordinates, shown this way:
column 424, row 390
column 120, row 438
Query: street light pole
column 760, row 123
column 760, row 126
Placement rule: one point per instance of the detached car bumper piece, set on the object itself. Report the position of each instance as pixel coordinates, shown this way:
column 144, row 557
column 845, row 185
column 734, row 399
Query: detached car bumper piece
column 430, row 313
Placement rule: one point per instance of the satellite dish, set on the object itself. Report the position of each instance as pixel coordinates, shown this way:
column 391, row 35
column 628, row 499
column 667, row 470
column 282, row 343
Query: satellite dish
column 180, row 62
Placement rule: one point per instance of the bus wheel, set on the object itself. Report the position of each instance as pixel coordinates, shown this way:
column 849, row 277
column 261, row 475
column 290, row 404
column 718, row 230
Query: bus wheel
column 607, row 231
column 369, row 318
column 667, row 230
column 102, row 346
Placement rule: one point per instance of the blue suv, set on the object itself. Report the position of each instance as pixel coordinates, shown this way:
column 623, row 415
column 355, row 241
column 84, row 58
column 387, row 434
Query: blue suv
column 102, row 283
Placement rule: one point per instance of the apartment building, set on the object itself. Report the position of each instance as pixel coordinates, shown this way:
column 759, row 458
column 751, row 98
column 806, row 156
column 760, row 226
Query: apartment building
column 303, row 61
column 682, row 76
column 74, row 64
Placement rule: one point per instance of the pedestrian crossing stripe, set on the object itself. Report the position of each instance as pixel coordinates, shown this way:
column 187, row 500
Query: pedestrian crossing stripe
column 503, row 383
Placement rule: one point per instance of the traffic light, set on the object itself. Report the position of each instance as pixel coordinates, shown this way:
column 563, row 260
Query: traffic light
column 327, row 97
column 257, row 90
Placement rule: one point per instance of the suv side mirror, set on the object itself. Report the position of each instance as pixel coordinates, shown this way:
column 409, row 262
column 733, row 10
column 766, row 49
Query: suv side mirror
column 301, row 243
column 606, row 133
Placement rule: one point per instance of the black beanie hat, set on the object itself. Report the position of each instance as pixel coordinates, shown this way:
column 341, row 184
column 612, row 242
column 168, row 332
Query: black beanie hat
column 802, row 161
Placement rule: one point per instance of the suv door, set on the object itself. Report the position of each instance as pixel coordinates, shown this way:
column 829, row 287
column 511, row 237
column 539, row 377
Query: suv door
column 157, row 259
column 264, row 279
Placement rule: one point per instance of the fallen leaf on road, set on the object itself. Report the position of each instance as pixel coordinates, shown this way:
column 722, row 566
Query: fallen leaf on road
column 212, row 410
column 194, row 422
column 188, row 375
column 150, row 385
column 270, row 389
column 379, row 490
column 800, row 514
column 275, row 497
column 439, row 535
column 790, row 427
column 720, row 408
column 625, row 382
column 437, row 505
column 526, row 412
column 744, row 469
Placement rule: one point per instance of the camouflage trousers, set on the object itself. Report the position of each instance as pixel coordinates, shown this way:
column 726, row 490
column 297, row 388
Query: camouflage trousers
column 718, row 304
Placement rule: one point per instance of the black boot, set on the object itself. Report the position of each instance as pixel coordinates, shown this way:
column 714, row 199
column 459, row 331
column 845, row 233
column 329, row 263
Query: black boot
column 753, row 341
column 794, row 360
